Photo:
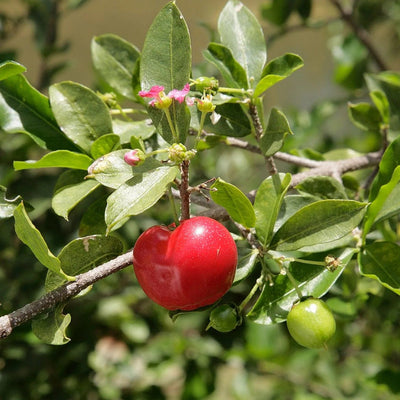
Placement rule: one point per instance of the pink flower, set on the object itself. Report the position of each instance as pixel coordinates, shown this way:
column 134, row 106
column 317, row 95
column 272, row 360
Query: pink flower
column 160, row 100
column 179, row 95
column 134, row 157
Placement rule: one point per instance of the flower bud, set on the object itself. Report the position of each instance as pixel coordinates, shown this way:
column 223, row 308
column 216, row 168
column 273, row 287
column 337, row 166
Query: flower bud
column 205, row 83
column 134, row 157
column 205, row 104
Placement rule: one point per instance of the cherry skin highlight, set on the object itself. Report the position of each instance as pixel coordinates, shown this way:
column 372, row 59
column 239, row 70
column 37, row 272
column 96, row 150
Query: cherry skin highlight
column 187, row 268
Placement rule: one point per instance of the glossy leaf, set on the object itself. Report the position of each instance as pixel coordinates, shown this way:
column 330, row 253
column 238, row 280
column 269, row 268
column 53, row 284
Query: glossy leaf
column 166, row 61
column 267, row 204
column 351, row 59
column 242, row 34
column 389, row 83
column 115, row 60
column 51, row 328
column 139, row 129
column 380, row 261
column 10, row 68
column 81, row 114
column 58, row 158
column 137, row 195
column 276, row 70
column 166, row 55
column 382, row 104
column 25, row 110
column 222, row 58
column 365, row 116
column 277, row 11
column 277, row 129
column 376, row 206
column 234, row 201
column 316, row 226
column 30, row 236
column 82, row 255
column 290, row 205
column 246, row 264
column 92, row 221
column 322, row 187
column 71, row 189
column 7, row 206
column 105, row 144
column 276, row 300
column 389, row 162
column 232, row 121
column 112, row 171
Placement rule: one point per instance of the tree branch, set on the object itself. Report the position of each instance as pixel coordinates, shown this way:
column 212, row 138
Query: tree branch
column 361, row 33
column 61, row 294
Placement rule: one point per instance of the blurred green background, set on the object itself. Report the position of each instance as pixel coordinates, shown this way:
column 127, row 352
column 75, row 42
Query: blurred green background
column 122, row 345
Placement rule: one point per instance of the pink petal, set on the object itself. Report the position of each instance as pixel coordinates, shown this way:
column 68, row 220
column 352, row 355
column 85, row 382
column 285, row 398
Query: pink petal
column 153, row 92
column 179, row 95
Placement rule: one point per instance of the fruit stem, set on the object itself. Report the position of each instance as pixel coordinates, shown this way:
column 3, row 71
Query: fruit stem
column 249, row 296
column 293, row 282
column 184, row 190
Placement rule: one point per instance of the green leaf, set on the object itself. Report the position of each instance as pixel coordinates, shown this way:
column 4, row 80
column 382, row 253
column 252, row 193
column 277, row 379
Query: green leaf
column 222, row 58
column 277, row 11
column 389, row 83
column 25, row 110
column 389, row 162
column 246, row 264
column 365, row 116
column 166, row 61
column 290, row 205
column 92, row 221
column 234, row 201
column 71, row 188
column 277, row 129
column 166, row 55
column 316, row 227
column 10, row 68
column 380, row 261
column 82, row 115
column 82, row 255
column 277, row 69
column 382, row 104
column 267, row 204
column 115, row 60
column 139, row 129
column 351, row 59
column 105, row 144
column 391, row 206
column 233, row 121
column 30, row 236
column 322, row 187
column 58, row 158
column 276, row 300
column 137, row 195
column 375, row 207
column 7, row 206
column 51, row 329
column 242, row 34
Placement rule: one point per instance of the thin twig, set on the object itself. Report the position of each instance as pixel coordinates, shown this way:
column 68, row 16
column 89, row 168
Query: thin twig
column 361, row 33
column 184, row 190
column 259, row 130
column 61, row 294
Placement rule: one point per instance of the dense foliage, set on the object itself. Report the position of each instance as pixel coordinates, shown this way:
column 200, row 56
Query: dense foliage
column 84, row 171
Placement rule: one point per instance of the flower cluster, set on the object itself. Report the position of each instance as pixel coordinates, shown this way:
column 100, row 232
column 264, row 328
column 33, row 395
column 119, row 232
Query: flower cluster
column 162, row 100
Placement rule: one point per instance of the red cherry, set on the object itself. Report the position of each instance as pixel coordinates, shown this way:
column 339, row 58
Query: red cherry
column 187, row 268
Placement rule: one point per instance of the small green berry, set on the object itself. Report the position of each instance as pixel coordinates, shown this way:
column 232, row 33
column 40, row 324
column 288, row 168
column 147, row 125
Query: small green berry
column 311, row 323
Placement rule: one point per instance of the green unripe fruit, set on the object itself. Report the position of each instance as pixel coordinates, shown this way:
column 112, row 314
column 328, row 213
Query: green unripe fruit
column 311, row 323
column 224, row 318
